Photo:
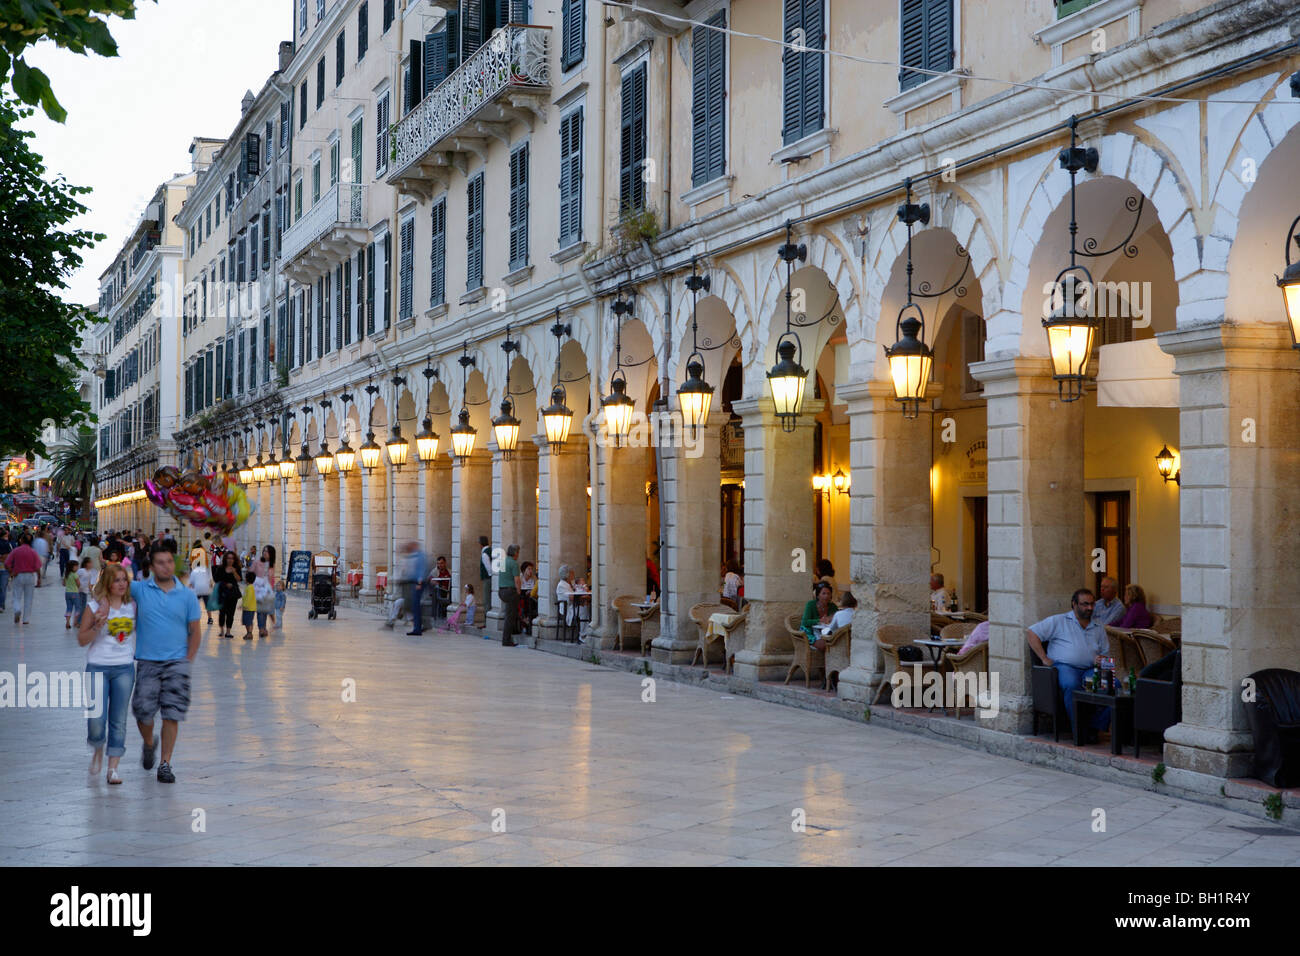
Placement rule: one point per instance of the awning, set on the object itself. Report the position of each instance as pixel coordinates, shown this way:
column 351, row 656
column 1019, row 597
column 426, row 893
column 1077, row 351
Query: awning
column 1136, row 375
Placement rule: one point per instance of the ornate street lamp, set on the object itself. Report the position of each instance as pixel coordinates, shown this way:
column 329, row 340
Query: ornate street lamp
column 1289, row 283
column 840, row 481
column 345, row 459
column 324, row 457
column 557, row 418
column 910, row 359
column 463, row 433
column 1072, row 326
column 695, row 394
column 788, row 377
column 398, row 448
column 505, row 425
column 426, row 440
column 1165, row 462
column 617, row 406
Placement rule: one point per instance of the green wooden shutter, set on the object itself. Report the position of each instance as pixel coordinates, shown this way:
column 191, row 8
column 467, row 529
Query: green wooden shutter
column 406, row 301
column 708, row 101
column 571, row 178
column 911, row 42
column 388, row 279
column 435, row 60
column 438, row 254
column 471, row 27
column 791, row 74
column 519, row 207
column 474, row 237
column 938, row 35
column 340, row 51
column 633, row 141
column 416, row 67
column 813, row 67
column 370, row 289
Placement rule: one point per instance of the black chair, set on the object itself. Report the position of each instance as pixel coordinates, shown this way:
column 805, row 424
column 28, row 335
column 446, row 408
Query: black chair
column 1158, row 701
column 1048, row 699
column 1274, row 717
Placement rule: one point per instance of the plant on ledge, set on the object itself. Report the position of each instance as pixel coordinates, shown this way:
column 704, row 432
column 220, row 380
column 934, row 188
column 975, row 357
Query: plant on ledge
column 634, row 227
column 282, row 374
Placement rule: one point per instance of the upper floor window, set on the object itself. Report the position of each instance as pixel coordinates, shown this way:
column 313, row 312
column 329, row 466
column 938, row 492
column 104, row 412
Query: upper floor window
column 474, row 235
column 381, row 134
column 320, row 83
column 519, row 207
column 708, row 100
column 573, row 33
column 803, row 71
column 363, row 30
column 631, row 191
column 926, row 40
column 389, row 14
column 340, row 51
column 302, row 16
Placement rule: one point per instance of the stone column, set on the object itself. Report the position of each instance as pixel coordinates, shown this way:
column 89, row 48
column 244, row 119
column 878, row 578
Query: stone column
column 438, row 509
column 1238, row 393
column 471, row 496
column 406, row 489
column 561, row 516
column 375, row 547
column 1036, row 509
column 514, row 509
column 620, row 501
column 779, row 534
column 690, row 495
column 351, row 528
column 328, row 535
column 889, row 528
column 291, row 509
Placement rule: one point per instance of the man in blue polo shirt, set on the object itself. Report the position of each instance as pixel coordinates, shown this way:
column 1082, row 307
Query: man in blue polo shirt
column 167, row 639
column 1071, row 642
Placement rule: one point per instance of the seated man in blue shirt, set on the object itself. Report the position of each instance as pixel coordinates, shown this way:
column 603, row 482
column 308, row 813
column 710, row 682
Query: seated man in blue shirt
column 1109, row 608
column 1071, row 642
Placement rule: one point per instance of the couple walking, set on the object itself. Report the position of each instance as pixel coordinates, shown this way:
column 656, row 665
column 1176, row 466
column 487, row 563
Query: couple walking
column 142, row 635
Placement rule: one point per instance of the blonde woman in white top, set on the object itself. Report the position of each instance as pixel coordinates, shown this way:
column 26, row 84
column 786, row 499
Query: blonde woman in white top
column 107, row 631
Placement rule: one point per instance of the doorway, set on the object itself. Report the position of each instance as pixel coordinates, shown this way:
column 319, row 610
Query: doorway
column 1112, row 538
column 977, row 552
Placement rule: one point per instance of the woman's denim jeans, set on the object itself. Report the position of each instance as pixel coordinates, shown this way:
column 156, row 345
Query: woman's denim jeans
column 114, row 699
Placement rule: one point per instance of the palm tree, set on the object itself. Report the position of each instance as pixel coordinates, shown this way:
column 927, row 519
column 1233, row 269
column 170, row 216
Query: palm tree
column 74, row 469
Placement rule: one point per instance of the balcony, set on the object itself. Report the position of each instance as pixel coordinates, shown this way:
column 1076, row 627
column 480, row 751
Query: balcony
column 334, row 229
column 651, row 13
column 507, row 79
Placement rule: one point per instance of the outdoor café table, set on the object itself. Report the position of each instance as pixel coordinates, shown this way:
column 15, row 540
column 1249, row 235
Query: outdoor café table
column 1121, row 714
column 937, row 646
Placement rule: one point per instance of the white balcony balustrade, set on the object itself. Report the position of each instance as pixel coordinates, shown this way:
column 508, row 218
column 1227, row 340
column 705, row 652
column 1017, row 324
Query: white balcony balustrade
column 505, row 80
column 331, row 231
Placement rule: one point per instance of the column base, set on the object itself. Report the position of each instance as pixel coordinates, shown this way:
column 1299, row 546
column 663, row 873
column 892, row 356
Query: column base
column 669, row 649
column 761, row 665
column 858, row 684
column 1219, row 753
column 1015, row 714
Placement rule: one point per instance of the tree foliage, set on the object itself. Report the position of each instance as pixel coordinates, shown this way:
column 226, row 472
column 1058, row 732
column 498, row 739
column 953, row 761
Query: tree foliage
column 77, row 25
column 74, row 467
column 39, row 332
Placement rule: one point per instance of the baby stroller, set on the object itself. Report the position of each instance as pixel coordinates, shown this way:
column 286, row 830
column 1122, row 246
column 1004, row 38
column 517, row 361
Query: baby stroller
column 324, row 584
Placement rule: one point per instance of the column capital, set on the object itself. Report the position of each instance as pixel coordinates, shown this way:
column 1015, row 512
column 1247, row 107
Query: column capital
column 1015, row 368
column 757, row 412
column 1262, row 346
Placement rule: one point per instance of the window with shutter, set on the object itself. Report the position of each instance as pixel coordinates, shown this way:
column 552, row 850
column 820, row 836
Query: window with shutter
column 474, row 238
column 388, row 14
column 340, row 51
column 327, row 342
column 370, row 289
column 357, row 140
column 471, row 27
column 438, row 254
column 926, row 40
column 300, row 319
column 308, row 316
column 381, row 135
column 631, row 192
column 388, row 279
column 573, row 29
column 241, row 259
column 452, row 27
column 302, row 16
column 269, row 147
column 334, row 163
column 252, row 254
column 803, row 73
column 239, row 365
column 708, row 100
column 266, row 236
column 406, row 298
column 320, row 318
column 435, row 60
column 221, row 373
column 253, row 377
column 339, row 302
column 302, row 108
column 571, row 178
column 359, row 297
column 363, row 30
column 519, row 208
column 320, row 83
column 415, row 73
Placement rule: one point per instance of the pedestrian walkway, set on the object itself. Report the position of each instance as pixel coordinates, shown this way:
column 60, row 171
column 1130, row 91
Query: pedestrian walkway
column 459, row 751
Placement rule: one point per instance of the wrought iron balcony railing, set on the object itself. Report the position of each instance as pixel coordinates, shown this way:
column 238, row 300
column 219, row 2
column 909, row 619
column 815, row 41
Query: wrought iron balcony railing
column 509, row 73
column 342, row 209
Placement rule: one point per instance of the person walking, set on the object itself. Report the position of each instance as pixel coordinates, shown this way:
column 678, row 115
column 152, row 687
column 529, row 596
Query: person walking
column 6, row 548
column 249, row 605
column 201, row 576
column 485, row 571
column 508, row 583
column 42, row 548
column 225, row 579
column 167, row 639
column 24, row 565
column 94, row 553
column 415, row 571
column 264, row 569
column 107, row 632
column 86, row 579
column 71, row 600
column 65, row 545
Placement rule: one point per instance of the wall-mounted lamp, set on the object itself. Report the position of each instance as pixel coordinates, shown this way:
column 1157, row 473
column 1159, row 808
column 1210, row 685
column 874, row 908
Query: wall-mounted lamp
column 1166, row 463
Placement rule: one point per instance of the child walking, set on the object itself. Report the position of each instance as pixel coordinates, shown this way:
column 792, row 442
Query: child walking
column 250, row 604
column 71, row 597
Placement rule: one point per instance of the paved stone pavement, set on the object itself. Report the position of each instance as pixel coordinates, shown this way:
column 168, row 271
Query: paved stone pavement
column 447, row 730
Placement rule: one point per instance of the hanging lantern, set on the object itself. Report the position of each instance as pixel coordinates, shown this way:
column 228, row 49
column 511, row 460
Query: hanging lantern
column 246, row 475
column 426, row 442
column 1165, row 462
column 695, row 395
column 345, row 459
column 1289, row 283
column 557, row 418
column 1071, row 329
column 259, row 470
column 506, row 427
column 288, row 467
column 398, row 448
column 618, row 408
column 840, row 481
column 370, row 452
column 910, row 360
column 786, row 381
column 302, row 464
column 324, row 460
column 462, row 436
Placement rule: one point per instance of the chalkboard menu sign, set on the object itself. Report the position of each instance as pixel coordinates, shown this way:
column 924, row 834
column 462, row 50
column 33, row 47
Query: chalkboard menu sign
column 299, row 567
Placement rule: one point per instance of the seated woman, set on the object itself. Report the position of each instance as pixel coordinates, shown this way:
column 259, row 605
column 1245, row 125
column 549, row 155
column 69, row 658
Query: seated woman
column 731, row 585
column 527, row 595
column 565, row 603
column 844, row 616
column 826, row 574
column 817, row 612
column 1135, row 609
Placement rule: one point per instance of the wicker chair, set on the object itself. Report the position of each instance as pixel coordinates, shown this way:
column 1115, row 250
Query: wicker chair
column 648, row 634
column 961, row 629
column 700, row 614
column 974, row 661
column 729, row 647
column 628, row 618
column 1124, row 650
column 975, row 616
column 806, row 657
column 1152, row 645
column 938, row 622
column 889, row 638
column 1168, row 626
column 837, row 654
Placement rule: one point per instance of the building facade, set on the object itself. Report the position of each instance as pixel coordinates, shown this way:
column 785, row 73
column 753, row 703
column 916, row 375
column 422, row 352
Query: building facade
column 469, row 187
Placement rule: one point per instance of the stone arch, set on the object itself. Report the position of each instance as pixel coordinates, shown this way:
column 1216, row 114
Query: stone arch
column 825, row 253
column 729, row 293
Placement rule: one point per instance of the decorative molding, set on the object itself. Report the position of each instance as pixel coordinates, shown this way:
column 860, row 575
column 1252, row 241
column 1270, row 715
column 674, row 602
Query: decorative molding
column 474, row 296
column 437, row 311
column 522, row 274
column 714, row 187
column 571, row 251
column 1083, row 22
column 935, row 88
column 810, row 144
column 633, row 52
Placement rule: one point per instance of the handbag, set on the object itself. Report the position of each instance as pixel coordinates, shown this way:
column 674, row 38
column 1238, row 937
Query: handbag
column 907, row 652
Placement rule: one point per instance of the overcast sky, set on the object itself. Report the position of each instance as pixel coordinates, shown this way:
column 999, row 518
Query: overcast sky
column 181, row 71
